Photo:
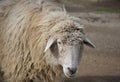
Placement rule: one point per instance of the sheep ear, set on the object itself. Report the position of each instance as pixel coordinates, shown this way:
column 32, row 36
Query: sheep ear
column 49, row 43
column 89, row 43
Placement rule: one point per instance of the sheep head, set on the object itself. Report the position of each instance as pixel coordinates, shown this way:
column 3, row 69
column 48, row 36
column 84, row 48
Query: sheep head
column 66, row 45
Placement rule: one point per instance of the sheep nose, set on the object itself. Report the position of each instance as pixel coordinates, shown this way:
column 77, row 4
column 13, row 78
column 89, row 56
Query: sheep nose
column 72, row 70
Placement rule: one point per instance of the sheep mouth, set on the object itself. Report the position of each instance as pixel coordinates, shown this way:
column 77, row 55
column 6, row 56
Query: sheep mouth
column 68, row 75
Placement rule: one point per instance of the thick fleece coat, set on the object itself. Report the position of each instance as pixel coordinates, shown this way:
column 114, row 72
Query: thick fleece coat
column 25, row 27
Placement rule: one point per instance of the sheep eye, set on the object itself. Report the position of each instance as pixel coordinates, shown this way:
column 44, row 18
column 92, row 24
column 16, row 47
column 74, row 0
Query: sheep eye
column 59, row 43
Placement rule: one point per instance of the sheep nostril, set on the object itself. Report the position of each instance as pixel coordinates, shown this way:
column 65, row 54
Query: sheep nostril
column 72, row 70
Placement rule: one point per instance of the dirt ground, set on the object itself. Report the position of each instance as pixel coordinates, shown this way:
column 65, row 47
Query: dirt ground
column 103, row 63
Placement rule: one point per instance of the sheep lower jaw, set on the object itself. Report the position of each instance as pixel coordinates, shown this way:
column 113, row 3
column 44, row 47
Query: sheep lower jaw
column 68, row 75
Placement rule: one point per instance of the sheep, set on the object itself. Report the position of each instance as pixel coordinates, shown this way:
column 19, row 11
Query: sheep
column 39, row 41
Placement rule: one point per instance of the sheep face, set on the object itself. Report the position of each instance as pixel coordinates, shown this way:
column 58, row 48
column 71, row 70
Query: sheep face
column 67, row 48
column 69, row 57
column 68, row 54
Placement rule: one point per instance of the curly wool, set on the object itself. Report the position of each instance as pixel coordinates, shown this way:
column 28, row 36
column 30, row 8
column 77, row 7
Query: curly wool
column 24, row 31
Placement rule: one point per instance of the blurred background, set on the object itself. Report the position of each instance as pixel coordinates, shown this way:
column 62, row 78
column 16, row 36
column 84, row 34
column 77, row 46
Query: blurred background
column 88, row 5
column 101, row 19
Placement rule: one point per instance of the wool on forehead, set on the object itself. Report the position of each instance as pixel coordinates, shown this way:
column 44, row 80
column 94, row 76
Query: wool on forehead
column 69, row 31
